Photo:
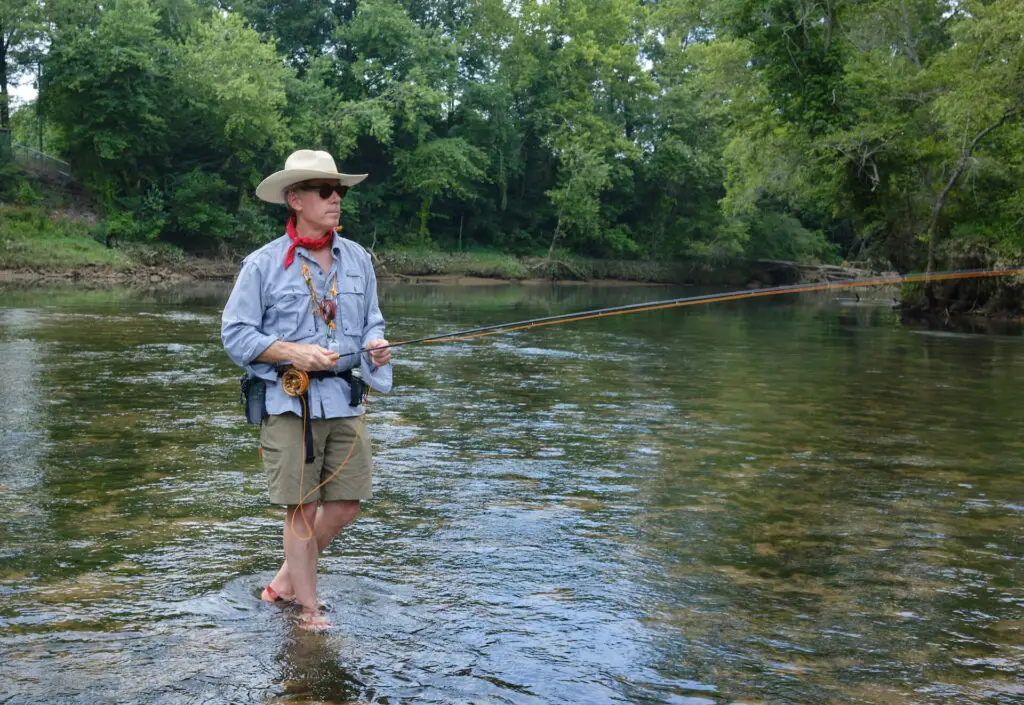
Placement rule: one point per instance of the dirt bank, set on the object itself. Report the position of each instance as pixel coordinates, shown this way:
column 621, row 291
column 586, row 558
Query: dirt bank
column 101, row 276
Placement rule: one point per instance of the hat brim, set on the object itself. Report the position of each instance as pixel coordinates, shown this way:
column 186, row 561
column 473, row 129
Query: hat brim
column 272, row 188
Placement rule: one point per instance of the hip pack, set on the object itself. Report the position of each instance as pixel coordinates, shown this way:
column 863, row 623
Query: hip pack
column 254, row 398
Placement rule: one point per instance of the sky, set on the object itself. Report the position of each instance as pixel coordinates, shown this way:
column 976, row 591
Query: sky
column 23, row 92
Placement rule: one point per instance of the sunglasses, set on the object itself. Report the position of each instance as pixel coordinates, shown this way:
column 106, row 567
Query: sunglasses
column 326, row 190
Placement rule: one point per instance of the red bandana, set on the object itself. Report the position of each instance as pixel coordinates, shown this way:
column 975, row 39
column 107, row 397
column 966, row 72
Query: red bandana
column 307, row 242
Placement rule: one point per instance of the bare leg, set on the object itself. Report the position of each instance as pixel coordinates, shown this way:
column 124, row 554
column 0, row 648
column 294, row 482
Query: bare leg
column 330, row 519
column 300, row 550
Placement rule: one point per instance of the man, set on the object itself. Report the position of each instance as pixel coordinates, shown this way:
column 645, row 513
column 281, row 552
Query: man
column 309, row 300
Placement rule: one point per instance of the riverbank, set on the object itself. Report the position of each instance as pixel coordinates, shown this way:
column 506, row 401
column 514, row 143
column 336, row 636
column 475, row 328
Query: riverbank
column 139, row 266
column 48, row 246
column 53, row 258
column 60, row 257
column 130, row 273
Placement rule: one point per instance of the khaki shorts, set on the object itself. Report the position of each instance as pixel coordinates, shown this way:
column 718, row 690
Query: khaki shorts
column 281, row 440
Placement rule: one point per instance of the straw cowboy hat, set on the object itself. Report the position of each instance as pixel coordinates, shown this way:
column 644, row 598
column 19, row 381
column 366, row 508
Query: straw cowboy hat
column 303, row 165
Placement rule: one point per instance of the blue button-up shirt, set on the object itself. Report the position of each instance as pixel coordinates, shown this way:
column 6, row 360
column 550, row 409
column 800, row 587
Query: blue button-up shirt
column 271, row 303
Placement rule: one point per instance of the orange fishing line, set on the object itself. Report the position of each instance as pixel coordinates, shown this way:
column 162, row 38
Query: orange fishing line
column 729, row 296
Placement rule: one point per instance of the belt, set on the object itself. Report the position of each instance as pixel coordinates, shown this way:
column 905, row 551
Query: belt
column 327, row 374
column 356, row 392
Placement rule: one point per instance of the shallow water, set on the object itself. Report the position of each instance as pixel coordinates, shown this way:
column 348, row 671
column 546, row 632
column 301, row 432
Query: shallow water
column 793, row 500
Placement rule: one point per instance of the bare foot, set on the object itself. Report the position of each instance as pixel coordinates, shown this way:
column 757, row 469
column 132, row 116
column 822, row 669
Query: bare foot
column 312, row 620
column 270, row 595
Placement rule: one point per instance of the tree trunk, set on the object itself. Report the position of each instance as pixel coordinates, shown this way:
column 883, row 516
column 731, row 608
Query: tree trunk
column 5, row 106
column 554, row 238
column 424, row 217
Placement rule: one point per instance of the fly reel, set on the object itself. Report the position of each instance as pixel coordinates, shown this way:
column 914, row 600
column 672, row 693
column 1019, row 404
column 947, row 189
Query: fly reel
column 294, row 382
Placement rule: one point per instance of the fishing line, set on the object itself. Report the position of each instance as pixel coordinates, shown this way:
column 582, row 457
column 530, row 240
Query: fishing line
column 496, row 329
column 484, row 331
column 295, row 385
column 883, row 280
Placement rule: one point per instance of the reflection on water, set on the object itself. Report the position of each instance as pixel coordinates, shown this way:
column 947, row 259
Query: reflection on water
column 792, row 500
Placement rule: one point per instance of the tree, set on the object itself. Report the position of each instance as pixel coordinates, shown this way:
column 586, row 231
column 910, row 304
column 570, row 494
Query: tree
column 448, row 166
column 105, row 85
column 21, row 31
column 582, row 176
column 231, row 84
column 301, row 29
column 984, row 73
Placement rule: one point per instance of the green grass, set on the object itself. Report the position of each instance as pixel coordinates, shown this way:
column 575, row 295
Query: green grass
column 31, row 237
column 427, row 262
column 35, row 236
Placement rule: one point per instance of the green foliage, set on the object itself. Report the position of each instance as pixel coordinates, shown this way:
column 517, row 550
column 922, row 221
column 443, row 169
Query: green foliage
column 21, row 29
column 104, row 86
column 231, row 85
column 25, row 130
column 781, row 236
column 31, row 236
column 253, row 225
column 582, row 176
column 883, row 130
column 196, row 208
column 447, row 166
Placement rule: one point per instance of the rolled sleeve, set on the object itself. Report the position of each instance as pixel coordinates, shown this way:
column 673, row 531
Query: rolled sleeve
column 242, row 320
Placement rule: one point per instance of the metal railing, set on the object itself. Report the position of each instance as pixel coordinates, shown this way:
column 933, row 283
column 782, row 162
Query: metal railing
column 40, row 163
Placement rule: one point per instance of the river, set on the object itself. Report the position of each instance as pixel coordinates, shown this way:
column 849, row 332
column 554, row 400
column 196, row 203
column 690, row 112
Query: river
column 790, row 500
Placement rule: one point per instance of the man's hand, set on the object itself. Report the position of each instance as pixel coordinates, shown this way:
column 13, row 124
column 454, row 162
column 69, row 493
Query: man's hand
column 379, row 357
column 311, row 358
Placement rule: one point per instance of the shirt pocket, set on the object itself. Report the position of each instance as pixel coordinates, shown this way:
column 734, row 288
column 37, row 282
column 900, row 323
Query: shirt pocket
column 289, row 316
column 351, row 302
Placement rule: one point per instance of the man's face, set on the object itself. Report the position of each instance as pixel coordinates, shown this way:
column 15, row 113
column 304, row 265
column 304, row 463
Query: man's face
column 308, row 201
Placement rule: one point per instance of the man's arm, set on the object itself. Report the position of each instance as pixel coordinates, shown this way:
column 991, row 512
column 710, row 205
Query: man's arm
column 375, row 364
column 304, row 356
column 241, row 327
column 246, row 342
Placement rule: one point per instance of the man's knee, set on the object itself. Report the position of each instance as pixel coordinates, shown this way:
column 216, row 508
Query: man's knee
column 347, row 509
column 300, row 521
column 307, row 511
column 338, row 514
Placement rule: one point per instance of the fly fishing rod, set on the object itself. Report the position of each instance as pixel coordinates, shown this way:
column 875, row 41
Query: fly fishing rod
column 882, row 280
column 653, row 306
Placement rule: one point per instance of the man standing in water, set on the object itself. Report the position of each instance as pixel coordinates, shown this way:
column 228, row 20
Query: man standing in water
column 309, row 300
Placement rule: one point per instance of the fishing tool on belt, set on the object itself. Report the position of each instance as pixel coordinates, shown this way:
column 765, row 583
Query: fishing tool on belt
column 253, row 397
column 295, row 383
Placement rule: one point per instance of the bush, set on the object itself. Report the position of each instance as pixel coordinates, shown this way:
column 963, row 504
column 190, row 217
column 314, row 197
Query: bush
column 197, row 210
column 253, row 226
column 783, row 237
column 31, row 238
column 154, row 254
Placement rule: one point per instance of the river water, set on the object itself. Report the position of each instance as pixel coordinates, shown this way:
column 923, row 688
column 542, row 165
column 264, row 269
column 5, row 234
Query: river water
column 791, row 500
